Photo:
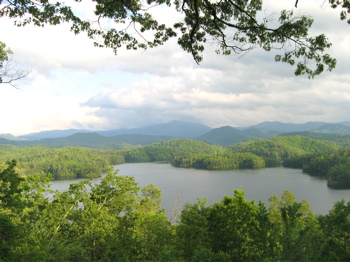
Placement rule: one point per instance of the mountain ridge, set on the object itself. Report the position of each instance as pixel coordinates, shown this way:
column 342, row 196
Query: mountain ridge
column 175, row 129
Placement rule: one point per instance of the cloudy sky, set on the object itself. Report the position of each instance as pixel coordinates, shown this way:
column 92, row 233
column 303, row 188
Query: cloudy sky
column 75, row 85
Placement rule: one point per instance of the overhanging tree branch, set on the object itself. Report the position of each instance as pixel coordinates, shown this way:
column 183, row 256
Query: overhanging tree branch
column 235, row 25
column 9, row 69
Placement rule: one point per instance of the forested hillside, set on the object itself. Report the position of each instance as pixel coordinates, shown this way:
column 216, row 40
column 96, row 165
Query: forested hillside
column 76, row 162
column 80, row 162
column 335, row 167
column 277, row 149
column 343, row 141
column 167, row 150
column 224, row 136
column 92, row 140
column 116, row 220
column 258, row 153
column 219, row 161
column 61, row 163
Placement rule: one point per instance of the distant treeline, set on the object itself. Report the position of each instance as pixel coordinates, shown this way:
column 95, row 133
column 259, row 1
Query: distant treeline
column 191, row 153
column 219, row 161
column 323, row 158
column 277, row 149
column 167, row 150
column 335, row 167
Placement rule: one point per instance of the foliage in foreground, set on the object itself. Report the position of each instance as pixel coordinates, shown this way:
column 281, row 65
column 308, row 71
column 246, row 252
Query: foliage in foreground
column 117, row 221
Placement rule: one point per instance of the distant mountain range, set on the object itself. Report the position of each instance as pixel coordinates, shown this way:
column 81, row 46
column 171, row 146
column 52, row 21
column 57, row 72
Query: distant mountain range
column 11, row 137
column 128, row 138
column 322, row 127
column 178, row 129
column 224, row 136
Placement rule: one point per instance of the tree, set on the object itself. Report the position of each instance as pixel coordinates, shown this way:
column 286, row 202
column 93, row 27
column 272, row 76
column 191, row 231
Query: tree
column 8, row 238
column 10, row 201
column 10, row 187
column 295, row 229
column 9, row 71
column 336, row 227
column 236, row 26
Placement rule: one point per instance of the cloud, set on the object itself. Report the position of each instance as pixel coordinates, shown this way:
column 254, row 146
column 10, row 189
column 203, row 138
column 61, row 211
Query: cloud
column 74, row 85
column 207, row 99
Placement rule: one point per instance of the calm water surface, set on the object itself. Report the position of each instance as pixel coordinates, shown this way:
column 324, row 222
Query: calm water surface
column 186, row 185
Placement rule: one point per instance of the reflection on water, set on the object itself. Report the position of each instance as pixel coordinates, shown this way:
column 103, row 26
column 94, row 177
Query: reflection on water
column 259, row 184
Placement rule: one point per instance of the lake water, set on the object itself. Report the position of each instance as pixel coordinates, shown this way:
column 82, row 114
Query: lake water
column 185, row 185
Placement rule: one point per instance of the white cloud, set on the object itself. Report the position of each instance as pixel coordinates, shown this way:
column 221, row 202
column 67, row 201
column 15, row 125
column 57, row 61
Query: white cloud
column 74, row 85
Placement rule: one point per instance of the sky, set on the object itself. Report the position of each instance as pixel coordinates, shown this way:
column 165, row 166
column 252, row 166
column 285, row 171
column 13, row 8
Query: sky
column 73, row 84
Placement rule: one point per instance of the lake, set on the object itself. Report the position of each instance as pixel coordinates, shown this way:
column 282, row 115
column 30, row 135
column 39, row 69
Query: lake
column 184, row 185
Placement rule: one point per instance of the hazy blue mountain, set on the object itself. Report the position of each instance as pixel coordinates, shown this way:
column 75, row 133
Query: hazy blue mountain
column 225, row 135
column 323, row 131
column 11, row 137
column 78, row 139
column 341, row 129
column 98, row 141
column 228, row 135
column 256, row 132
column 117, row 132
column 310, row 134
column 288, row 127
column 176, row 129
column 53, row 134
column 143, row 140
column 347, row 123
column 4, row 141
column 93, row 140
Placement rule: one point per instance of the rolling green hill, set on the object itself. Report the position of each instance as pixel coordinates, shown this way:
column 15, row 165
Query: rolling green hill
column 62, row 163
column 276, row 149
column 339, row 129
column 167, row 150
column 224, row 136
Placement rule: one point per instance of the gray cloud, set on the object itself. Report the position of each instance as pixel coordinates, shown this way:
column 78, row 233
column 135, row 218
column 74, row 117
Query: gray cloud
column 137, row 88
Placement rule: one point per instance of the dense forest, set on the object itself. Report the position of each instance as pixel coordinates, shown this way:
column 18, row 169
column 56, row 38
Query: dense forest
column 326, row 157
column 335, row 167
column 167, row 150
column 219, row 161
column 258, row 153
column 277, row 149
column 118, row 221
column 82, row 162
column 61, row 163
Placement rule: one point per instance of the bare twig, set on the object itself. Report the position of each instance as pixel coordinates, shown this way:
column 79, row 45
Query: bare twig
column 9, row 72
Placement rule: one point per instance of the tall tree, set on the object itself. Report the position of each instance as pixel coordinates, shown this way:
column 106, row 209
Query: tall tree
column 10, row 187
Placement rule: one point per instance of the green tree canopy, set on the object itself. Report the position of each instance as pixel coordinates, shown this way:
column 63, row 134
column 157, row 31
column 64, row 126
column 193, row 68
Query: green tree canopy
column 236, row 26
